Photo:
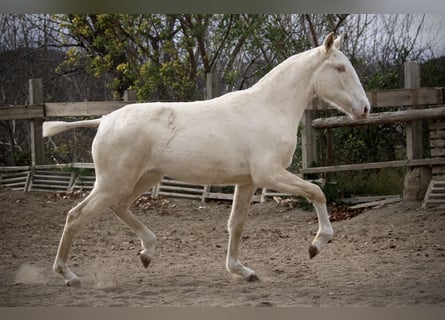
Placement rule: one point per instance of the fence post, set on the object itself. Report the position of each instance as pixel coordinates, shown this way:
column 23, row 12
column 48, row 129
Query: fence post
column 308, row 137
column 213, row 85
column 416, row 178
column 213, row 90
column 37, row 143
column 130, row 96
column 414, row 141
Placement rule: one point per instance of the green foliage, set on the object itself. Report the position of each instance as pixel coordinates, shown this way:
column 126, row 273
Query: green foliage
column 368, row 144
column 61, row 152
column 433, row 73
column 231, row 78
column 83, row 171
column 228, row 189
column 368, row 183
column 22, row 158
column 166, row 57
column 386, row 79
column 303, row 203
column 168, row 81
column 332, row 190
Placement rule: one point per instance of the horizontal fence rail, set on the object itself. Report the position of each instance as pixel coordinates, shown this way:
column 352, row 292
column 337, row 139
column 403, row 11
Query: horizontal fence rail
column 378, row 99
column 376, row 165
column 381, row 118
column 42, row 178
column 421, row 104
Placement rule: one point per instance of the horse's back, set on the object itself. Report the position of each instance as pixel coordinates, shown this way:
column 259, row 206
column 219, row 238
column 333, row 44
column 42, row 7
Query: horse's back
column 180, row 139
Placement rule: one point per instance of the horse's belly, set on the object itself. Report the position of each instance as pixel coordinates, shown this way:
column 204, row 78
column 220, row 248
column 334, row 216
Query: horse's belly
column 208, row 168
column 211, row 179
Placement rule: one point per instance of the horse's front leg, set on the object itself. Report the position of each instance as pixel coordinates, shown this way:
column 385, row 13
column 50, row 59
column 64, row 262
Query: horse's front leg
column 284, row 181
column 325, row 232
column 241, row 201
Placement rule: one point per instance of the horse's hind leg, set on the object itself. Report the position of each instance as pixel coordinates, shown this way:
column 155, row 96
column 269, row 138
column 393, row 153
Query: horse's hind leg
column 147, row 237
column 95, row 203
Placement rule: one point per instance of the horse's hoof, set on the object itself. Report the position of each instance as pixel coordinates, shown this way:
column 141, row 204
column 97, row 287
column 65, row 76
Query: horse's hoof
column 145, row 261
column 73, row 283
column 253, row 278
column 313, row 251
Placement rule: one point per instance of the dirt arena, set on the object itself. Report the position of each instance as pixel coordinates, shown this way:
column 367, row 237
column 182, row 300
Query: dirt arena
column 391, row 256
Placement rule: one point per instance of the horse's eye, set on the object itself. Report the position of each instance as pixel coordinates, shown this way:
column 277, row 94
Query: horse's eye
column 340, row 68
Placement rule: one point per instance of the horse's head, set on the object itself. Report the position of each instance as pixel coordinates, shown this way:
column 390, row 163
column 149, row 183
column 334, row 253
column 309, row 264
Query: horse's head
column 337, row 82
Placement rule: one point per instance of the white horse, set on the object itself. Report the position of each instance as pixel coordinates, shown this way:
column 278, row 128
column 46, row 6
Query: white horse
column 246, row 138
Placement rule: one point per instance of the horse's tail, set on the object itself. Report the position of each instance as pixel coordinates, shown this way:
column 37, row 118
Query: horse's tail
column 51, row 128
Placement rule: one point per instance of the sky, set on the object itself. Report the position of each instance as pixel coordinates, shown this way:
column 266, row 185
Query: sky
column 435, row 29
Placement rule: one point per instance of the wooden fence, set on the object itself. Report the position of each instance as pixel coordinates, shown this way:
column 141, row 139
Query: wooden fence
column 56, row 178
column 422, row 104
column 435, row 193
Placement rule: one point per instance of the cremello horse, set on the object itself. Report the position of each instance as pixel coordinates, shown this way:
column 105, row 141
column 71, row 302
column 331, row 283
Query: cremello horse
column 246, row 138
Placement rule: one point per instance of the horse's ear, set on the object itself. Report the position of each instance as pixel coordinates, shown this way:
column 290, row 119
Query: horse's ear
column 339, row 40
column 328, row 42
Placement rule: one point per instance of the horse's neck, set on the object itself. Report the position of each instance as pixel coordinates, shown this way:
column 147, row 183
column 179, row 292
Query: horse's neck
column 289, row 84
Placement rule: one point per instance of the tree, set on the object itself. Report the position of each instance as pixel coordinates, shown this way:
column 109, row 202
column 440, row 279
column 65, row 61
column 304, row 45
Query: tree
column 165, row 57
column 21, row 51
column 30, row 47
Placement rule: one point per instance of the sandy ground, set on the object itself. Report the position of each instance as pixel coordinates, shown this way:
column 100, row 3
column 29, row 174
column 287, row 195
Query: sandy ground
column 391, row 256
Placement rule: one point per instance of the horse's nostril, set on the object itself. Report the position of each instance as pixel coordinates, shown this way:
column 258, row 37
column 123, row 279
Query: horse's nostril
column 366, row 110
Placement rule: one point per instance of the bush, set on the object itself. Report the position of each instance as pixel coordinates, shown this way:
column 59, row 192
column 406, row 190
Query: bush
column 387, row 181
